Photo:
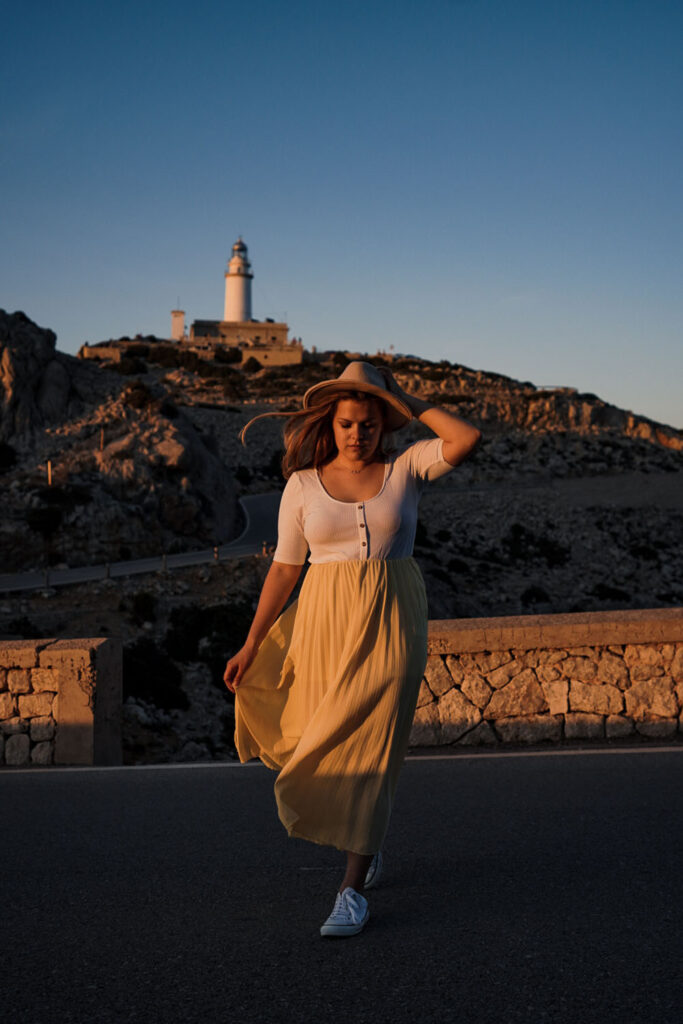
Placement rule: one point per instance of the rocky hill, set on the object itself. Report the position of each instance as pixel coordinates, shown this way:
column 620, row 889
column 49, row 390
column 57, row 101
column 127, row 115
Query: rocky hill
column 129, row 473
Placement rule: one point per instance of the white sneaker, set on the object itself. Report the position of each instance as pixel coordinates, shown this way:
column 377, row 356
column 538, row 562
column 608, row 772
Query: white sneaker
column 374, row 871
column 349, row 914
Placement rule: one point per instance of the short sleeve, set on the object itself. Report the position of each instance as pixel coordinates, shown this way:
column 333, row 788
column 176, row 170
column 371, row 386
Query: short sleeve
column 425, row 459
column 292, row 546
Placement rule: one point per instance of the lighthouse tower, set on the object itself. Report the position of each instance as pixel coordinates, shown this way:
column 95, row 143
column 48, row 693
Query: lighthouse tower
column 238, row 285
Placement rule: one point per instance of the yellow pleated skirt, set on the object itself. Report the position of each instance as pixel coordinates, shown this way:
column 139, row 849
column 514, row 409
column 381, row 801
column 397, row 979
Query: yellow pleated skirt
column 330, row 697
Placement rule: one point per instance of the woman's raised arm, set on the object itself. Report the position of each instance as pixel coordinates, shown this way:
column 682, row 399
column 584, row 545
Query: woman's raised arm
column 459, row 437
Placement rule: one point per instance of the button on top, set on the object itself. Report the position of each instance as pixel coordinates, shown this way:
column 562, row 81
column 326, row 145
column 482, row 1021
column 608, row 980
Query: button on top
column 362, row 526
column 360, row 506
column 363, row 544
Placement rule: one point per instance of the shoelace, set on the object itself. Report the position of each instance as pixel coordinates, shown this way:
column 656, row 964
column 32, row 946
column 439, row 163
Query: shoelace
column 351, row 903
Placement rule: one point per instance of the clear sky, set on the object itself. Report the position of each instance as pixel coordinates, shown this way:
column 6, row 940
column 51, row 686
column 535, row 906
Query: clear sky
column 494, row 183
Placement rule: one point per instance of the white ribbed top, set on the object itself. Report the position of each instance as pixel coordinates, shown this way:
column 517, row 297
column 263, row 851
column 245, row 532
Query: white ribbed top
column 341, row 531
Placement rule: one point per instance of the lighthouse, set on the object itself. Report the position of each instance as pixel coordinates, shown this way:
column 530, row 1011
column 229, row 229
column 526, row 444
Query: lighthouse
column 238, row 285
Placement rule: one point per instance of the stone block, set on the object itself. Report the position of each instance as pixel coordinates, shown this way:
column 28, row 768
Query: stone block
column 603, row 700
column 21, row 653
column 17, row 749
column 476, row 689
column 457, row 715
column 44, row 679
column 580, row 725
column 521, row 696
column 551, row 656
column 425, row 696
column 42, row 728
column 651, row 698
column 8, row 705
column 555, row 694
column 481, row 735
column 612, row 670
column 439, row 679
column 582, row 669
column 616, row 726
column 583, row 652
column 88, row 719
column 616, row 649
column 529, row 728
column 71, row 655
column 677, row 664
column 12, row 725
column 3, row 679
column 667, row 652
column 487, row 661
column 19, row 680
column 42, row 753
column 455, row 668
column 547, row 673
column 658, row 728
column 501, row 676
column 35, row 705
column 644, row 661
column 426, row 727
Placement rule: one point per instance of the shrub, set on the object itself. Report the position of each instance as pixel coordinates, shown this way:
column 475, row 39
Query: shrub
column 144, row 606
column 44, row 521
column 150, row 674
column 128, row 366
column 8, row 457
column 137, row 395
column 225, row 626
column 251, row 365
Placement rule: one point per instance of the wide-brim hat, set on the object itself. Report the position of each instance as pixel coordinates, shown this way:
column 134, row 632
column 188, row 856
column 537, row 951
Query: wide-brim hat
column 365, row 377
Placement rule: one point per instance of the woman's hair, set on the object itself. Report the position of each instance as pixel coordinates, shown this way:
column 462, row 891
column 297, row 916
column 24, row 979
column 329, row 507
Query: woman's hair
column 308, row 434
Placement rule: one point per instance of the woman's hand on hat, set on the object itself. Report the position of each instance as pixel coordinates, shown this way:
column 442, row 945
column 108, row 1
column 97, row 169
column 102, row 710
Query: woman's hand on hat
column 415, row 405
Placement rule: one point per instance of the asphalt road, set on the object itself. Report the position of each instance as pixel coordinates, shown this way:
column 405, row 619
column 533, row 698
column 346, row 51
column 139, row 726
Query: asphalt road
column 517, row 889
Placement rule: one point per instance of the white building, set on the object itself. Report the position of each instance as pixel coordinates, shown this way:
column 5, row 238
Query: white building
column 265, row 340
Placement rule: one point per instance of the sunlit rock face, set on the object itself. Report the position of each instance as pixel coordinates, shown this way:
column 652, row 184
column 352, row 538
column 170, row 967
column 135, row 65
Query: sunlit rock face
column 97, row 467
column 35, row 387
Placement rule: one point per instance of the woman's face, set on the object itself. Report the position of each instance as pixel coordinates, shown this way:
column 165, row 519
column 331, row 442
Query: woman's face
column 357, row 428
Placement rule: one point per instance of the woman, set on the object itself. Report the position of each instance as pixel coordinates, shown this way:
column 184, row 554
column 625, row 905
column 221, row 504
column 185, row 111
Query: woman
column 326, row 694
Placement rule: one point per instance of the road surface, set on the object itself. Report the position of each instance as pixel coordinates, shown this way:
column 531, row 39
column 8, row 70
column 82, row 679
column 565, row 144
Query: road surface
column 524, row 889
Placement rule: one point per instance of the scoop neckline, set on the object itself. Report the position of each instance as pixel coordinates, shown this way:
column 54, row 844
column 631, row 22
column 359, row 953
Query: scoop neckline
column 357, row 501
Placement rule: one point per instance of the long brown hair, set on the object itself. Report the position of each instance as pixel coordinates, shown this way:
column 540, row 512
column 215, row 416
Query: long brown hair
column 308, row 433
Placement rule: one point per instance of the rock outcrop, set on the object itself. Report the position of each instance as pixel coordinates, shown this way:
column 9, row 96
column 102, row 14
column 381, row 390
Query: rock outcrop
column 35, row 385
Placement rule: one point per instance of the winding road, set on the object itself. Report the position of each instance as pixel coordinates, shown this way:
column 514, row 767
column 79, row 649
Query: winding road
column 260, row 512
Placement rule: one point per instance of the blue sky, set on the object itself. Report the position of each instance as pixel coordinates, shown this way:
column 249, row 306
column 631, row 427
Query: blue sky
column 490, row 182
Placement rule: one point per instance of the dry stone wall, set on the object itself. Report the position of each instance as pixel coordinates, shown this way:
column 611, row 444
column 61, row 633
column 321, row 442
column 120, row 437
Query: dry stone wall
column 60, row 702
column 592, row 676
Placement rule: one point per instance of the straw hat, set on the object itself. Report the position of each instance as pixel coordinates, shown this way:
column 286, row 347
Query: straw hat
column 365, row 377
